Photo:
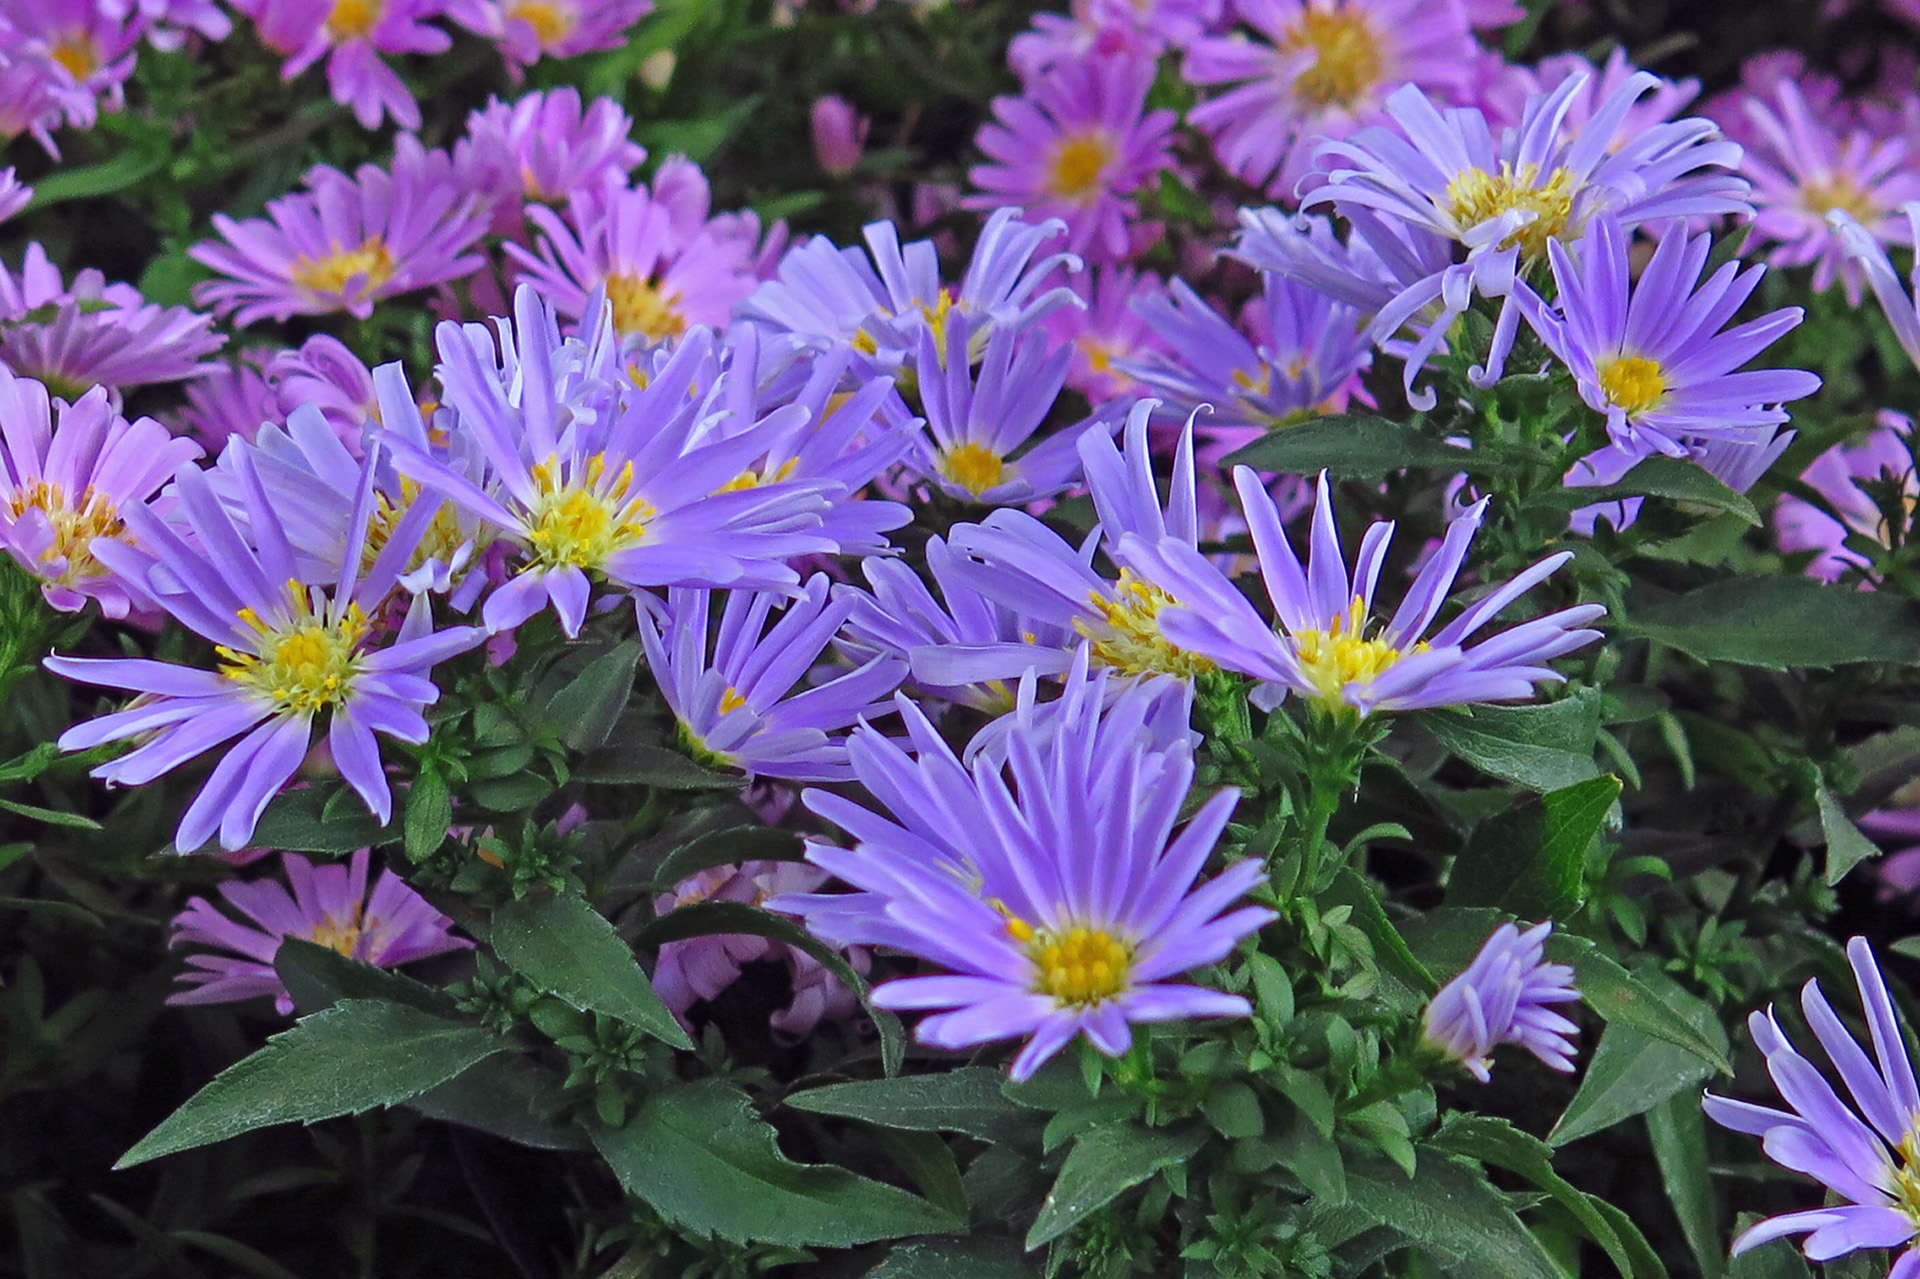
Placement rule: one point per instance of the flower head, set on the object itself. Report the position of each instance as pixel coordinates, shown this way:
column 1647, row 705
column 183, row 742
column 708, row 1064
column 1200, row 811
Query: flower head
column 527, row 30
column 1053, row 889
column 82, row 53
column 1105, row 330
column 1882, row 458
column 329, row 906
column 1109, row 28
column 1505, row 996
column 544, row 148
column 1329, row 646
column 1867, row 1154
column 68, row 473
column 352, row 35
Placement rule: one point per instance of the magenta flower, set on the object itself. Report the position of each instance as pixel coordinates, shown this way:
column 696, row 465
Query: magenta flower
column 328, row 906
column 1803, row 168
column 1107, row 332
column 1505, row 98
column 15, row 195
column 346, row 243
column 1882, row 455
column 68, row 474
column 169, row 22
column 1109, row 28
column 89, row 52
column 839, row 134
column 1075, row 147
column 35, row 97
column 544, row 147
column 352, row 35
column 528, row 30
column 1320, row 69
column 229, row 400
column 323, row 373
column 1505, row 996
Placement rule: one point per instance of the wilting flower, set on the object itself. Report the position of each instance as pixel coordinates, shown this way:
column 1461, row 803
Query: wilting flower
column 839, row 134
column 94, row 333
column 329, row 906
column 527, row 30
column 1076, row 146
column 544, row 147
column 1054, row 890
column 1865, row 1154
column 1444, row 176
column 352, row 35
column 346, row 243
column 68, row 473
column 1804, row 168
column 287, row 653
column 1320, row 69
column 1505, row 996
column 1105, row 330
column 739, row 709
column 1882, row 457
column 1649, row 355
column 1329, row 646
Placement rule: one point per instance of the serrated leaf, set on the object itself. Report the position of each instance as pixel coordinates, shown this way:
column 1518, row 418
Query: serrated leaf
column 959, row 1258
column 565, row 947
column 1529, row 861
column 503, row 1095
column 1543, row 747
column 1352, row 446
column 355, row 1056
column 1104, row 1163
column 701, row 1156
column 968, row 1099
column 728, row 847
column 318, row 977
column 1779, row 622
column 1450, row 1212
column 586, row 708
column 1619, row 996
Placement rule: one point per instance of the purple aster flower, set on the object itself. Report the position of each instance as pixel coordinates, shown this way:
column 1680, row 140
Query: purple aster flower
column 15, row 195
column 976, row 419
column 88, row 51
column 879, row 302
column 346, row 243
column 329, row 906
column 839, row 134
column 95, row 333
column 1329, row 647
column 528, row 30
column 588, row 473
column 1320, row 69
column 658, row 274
column 1805, row 167
column 1895, row 302
column 35, row 97
column 1076, row 146
column 1881, row 455
column 352, row 35
column 1862, row 1153
column 1505, row 99
column 1505, row 996
column 1504, row 202
column 1105, row 331
column 230, row 399
column 68, row 475
column 543, row 148
column 287, row 653
column 1650, row 355
column 735, row 710
column 1054, row 890
column 169, row 22
column 1109, row 28
column 324, row 373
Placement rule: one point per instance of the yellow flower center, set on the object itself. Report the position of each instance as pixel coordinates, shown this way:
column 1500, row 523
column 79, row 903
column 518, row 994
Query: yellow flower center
column 1077, row 965
column 974, row 467
column 1075, row 168
column 1128, row 635
column 731, row 700
column 641, row 306
column 749, row 479
column 340, row 938
column 442, row 540
column 551, row 22
column 581, row 520
column 76, row 55
column 305, row 665
column 1838, row 191
column 1475, row 196
column 75, row 525
column 352, row 19
column 1342, row 654
column 1634, row 383
column 369, row 261
column 1347, row 56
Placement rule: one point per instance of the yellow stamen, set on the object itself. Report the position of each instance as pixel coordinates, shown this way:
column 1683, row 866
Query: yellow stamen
column 643, row 307
column 352, row 19
column 1348, row 61
column 1476, row 195
column 580, row 519
column 76, row 55
column 75, row 525
column 304, row 665
column 341, row 938
column 1634, row 383
column 731, row 700
column 1077, row 165
column 1128, row 635
column 442, row 540
column 754, row 479
column 551, row 22
column 1076, row 965
column 369, row 261
column 1838, row 191
column 974, row 467
column 1342, row 654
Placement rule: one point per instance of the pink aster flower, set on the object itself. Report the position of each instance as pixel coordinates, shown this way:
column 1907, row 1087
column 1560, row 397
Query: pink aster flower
column 1505, row 98
column 1109, row 28
column 1760, row 76
column 168, row 23
column 1107, row 331
column 543, row 148
column 528, row 30
column 1320, row 69
column 351, row 35
column 1883, row 460
column 1802, row 168
column 228, row 400
column 34, row 96
column 322, row 372
column 91, row 52
column 66, row 473
column 839, row 134
column 1075, row 147
column 15, row 195
column 346, row 242
column 329, row 906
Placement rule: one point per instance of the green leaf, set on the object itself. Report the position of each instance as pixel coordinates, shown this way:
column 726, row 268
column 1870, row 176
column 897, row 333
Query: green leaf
column 297, row 821
column 354, row 1056
column 505, row 1095
column 628, row 763
column 1619, row 996
column 700, row 1156
column 565, row 947
column 1630, row 1073
column 1679, row 1137
column 1779, row 1259
column 586, row 708
column 1668, row 477
column 1529, row 860
column 1450, row 1212
column 1406, row 982
column 968, row 1100
column 1352, row 446
column 718, row 919
column 429, row 814
column 117, row 174
column 728, row 847
column 1105, row 1162
column 1846, row 846
column 1543, row 747
column 1778, row 622
column 318, row 977
column 51, row 816
column 968, row 1258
